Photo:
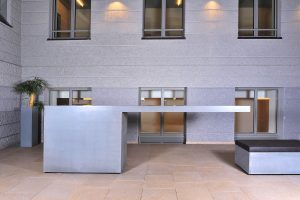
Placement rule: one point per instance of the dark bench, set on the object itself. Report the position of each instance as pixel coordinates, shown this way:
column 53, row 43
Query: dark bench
column 268, row 156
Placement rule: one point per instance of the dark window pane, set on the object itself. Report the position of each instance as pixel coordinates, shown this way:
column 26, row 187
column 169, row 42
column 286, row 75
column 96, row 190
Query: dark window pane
column 83, row 18
column 246, row 18
column 62, row 18
column 174, row 16
column 266, row 17
column 3, row 8
column 152, row 18
column 174, row 33
column 152, row 33
column 81, row 98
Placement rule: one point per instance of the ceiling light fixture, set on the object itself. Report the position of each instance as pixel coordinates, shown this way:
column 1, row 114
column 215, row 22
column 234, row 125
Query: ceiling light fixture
column 178, row 2
column 80, row 2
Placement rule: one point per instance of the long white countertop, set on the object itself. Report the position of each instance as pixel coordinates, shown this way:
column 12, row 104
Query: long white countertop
column 155, row 108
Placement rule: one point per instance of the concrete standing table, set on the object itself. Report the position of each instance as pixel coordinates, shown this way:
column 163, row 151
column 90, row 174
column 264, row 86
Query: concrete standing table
column 92, row 139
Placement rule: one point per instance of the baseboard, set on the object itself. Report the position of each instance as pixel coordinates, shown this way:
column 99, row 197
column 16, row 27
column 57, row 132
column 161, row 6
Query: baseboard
column 132, row 142
column 210, row 142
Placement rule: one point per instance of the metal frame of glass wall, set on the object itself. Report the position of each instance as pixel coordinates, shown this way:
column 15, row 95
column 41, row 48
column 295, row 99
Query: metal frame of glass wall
column 163, row 28
column 70, row 90
column 256, row 29
column 162, row 137
column 73, row 30
column 255, row 133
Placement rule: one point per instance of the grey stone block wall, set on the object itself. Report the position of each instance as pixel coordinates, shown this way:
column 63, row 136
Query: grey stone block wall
column 291, row 116
column 10, row 73
column 116, row 56
column 120, row 97
column 211, row 57
column 210, row 127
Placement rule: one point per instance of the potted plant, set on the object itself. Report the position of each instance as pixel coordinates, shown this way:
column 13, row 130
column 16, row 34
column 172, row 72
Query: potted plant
column 30, row 113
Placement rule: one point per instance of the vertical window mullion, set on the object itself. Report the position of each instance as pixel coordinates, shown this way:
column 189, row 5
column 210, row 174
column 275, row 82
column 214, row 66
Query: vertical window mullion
column 73, row 5
column 255, row 111
column 275, row 17
column 255, row 15
column 54, row 24
column 70, row 97
column 163, row 18
column 162, row 114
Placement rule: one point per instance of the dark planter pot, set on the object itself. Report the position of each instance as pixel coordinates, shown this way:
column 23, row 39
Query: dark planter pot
column 29, row 126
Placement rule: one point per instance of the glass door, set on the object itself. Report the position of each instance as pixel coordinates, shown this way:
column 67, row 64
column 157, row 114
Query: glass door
column 151, row 122
column 162, row 127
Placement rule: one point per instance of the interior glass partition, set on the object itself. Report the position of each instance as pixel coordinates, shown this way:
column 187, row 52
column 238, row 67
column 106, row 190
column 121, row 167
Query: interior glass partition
column 266, row 111
column 244, row 122
column 263, row 116
column 150, row 122
column 173, row 122
column 81, row 97
column 59, row 97
column 162, row 127
column 70, row 96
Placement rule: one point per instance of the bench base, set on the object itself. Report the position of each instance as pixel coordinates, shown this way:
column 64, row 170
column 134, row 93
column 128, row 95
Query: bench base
column 267, row 162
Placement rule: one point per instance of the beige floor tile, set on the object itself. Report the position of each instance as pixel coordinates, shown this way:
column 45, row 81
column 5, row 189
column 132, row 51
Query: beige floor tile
column 222, row 186
column 89, row 193
column 192, row 191
column 29, row 186
column 159, row 181
column 159, row 169
column 159, row 194
column 9, row 182
column 184, row 168
column 15, row 197
column 124, row 194
column 99, row 180
column 129, row 185
column 276, row 192
column 170, row 171
column 230, row 196
column 57, row 191
column 187, row 176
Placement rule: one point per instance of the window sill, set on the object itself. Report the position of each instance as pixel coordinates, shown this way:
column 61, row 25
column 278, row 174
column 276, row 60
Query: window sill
column 252, row 136
column 4, row 21
column 58, row 39
column 164, row 38
column 260, row 38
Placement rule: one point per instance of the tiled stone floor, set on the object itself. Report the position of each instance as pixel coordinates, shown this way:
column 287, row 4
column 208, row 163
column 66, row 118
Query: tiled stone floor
column 153, row 172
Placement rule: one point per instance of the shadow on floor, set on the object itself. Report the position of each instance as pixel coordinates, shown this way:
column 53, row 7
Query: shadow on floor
column 226, row 157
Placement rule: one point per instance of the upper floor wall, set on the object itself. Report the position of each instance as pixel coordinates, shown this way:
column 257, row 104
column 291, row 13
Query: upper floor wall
column 10, row 72
column 117, row 56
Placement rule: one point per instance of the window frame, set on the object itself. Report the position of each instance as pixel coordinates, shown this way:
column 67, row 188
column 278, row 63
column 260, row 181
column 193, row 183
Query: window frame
column 70, row 93
column 255, row 29
column 72, row 31
column 255, row 133
column 163, row 23
column 180, row 137
column 4, row 19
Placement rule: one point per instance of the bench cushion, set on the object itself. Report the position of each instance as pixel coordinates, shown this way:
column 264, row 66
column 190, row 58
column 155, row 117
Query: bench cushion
column 269, row 145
